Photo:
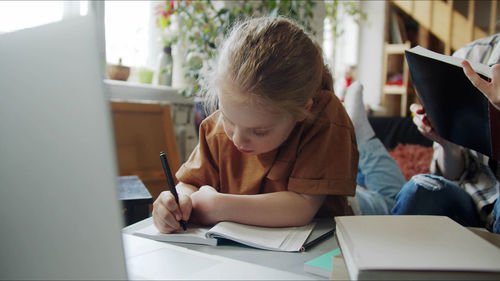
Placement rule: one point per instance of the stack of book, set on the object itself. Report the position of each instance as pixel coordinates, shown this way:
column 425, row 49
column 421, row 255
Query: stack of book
column 414, row 247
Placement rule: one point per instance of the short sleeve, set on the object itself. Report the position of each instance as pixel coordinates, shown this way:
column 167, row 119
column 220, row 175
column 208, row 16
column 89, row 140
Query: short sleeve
column 202, row 168
column 327, row 163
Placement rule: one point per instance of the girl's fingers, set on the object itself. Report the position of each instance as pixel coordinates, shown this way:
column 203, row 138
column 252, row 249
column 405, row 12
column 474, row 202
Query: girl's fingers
column 166, row 213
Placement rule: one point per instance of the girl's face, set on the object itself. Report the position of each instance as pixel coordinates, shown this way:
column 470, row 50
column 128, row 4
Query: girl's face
column 254, row 130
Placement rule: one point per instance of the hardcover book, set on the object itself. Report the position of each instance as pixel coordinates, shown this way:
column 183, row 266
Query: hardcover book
column 456, row 109
column 414, row 247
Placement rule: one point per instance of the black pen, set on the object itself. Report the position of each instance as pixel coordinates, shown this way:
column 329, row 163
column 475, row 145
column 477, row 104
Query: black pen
column 171, row 184
column 317, row 240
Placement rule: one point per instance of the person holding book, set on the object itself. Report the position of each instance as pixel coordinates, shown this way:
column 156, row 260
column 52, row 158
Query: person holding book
column 280, row 149
column 464, row 184
column 490, row 89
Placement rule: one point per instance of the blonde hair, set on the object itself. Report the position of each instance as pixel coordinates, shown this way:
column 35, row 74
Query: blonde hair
column 273, row 62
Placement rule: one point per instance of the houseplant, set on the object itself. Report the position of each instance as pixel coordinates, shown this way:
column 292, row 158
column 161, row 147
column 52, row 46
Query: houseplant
column 199, row 26
column 351, row 8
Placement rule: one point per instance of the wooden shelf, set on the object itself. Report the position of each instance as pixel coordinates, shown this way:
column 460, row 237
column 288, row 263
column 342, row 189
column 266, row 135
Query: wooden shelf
column 441, row 26
column 447, row 24
column 394, row 90
column 395, row 62
column 393, row 49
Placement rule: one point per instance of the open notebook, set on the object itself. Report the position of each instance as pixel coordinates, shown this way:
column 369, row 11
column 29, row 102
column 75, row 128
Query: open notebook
column 288, row 239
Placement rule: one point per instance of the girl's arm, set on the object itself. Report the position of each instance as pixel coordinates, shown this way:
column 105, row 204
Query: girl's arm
column 277, row 209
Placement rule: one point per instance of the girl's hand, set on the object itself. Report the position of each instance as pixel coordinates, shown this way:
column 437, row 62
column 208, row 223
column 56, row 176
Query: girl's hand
column 205, row 208
column 167, row 213
column 490, row 89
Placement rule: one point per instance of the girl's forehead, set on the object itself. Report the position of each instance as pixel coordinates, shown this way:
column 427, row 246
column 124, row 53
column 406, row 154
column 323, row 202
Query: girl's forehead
column 248, row 114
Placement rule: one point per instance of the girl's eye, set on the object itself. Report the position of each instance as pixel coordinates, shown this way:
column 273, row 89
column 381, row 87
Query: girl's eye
column 261, row 133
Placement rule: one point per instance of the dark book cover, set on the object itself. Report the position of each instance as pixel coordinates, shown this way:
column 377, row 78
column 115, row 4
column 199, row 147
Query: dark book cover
column 456, row 109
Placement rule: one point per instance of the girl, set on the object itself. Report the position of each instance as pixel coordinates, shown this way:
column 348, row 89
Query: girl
column 279, row 149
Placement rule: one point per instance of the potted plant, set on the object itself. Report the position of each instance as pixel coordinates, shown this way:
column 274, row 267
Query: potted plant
column 351, row 8
column 197, row 27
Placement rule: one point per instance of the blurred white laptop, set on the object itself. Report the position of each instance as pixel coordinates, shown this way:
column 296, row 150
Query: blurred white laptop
column 60, row 218
column 59, row 213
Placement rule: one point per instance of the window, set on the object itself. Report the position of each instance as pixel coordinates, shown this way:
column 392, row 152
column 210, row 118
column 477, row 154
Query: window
column 342, row 52
column 130, row 32
column 16, row 15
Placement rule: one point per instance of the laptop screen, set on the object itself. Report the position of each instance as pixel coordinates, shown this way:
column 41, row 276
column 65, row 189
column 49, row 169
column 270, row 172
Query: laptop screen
column 59, row 213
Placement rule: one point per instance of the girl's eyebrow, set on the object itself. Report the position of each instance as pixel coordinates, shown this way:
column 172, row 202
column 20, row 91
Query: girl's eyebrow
column 257, row 128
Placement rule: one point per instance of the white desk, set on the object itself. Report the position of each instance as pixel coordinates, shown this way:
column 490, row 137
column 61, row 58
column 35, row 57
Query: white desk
column 148, row 259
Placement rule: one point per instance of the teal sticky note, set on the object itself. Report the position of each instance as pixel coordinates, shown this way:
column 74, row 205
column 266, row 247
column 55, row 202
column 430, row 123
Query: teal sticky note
column 322, row 265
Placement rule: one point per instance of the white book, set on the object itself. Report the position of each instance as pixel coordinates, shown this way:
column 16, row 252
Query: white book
column 289, row 239
column 414, row 247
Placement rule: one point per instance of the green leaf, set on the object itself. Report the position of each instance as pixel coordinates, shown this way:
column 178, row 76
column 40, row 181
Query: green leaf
column 162, row 22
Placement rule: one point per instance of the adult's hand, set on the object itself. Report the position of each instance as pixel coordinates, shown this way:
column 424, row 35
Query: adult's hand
column 423, row 125
column 490, row 89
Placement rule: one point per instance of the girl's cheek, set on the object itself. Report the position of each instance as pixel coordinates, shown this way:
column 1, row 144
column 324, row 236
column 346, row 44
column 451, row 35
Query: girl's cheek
column 228, row 130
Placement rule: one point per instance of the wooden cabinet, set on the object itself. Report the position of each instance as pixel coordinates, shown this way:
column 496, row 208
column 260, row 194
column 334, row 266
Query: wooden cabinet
column 142, row 131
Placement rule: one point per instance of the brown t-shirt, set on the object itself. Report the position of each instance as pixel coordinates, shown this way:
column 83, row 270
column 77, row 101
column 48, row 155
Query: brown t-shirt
column 319, row 157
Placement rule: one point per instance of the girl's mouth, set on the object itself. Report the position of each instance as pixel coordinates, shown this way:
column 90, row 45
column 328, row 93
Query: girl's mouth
column 245, row 150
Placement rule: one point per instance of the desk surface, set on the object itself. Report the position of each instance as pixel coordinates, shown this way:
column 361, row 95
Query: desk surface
column 286, row 262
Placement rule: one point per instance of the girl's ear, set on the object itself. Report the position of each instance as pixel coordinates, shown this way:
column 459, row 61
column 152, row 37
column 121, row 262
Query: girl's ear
column 307, row 108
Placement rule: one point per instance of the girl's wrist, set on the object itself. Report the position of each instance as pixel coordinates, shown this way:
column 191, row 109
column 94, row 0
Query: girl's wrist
column 220, row 207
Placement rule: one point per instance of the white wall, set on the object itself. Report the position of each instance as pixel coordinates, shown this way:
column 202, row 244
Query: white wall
column 371, row 42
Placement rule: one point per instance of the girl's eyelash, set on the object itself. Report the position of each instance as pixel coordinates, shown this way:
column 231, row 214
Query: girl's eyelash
column 257, row 133
column 260, row 134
